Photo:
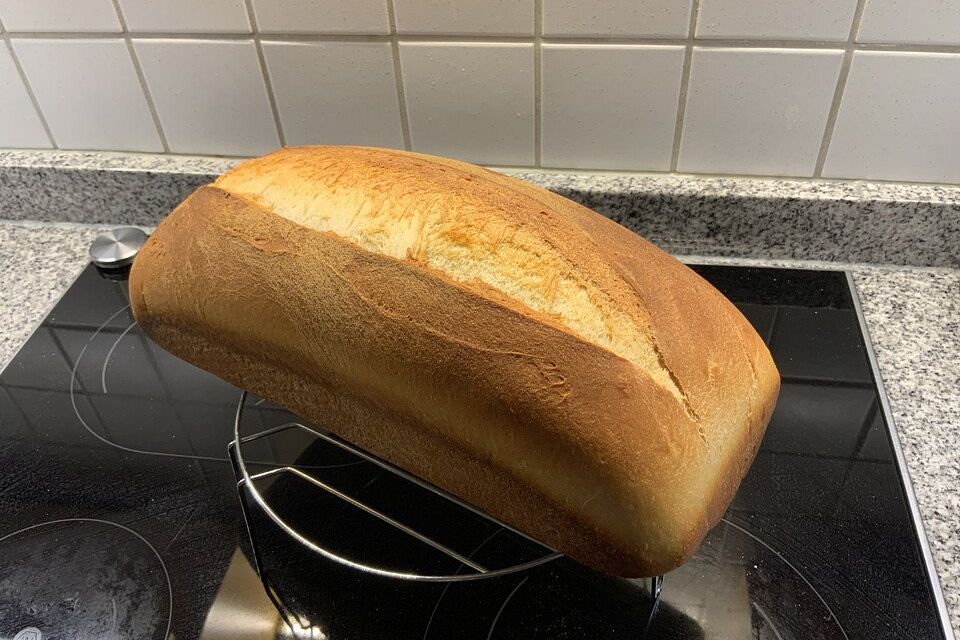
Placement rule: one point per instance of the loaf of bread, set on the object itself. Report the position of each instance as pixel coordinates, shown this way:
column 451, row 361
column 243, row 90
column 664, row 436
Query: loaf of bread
column 502, row 342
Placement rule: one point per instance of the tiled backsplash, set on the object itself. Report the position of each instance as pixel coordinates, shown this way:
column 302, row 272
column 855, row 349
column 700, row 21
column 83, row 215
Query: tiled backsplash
column 808, row 88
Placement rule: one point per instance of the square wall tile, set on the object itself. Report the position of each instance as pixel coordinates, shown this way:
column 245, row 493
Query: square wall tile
column 470, row 101
column 786, row 19
column 898, row 119
column 328, row 16
column 186, row 16
column 209, row 95
column 89, row 93
column 757, row 111
column 465, row 17
column 335, row 92
column 616, row 18
column 59, row 15
column 609, row 106
column 911, row 22
column 20, row 126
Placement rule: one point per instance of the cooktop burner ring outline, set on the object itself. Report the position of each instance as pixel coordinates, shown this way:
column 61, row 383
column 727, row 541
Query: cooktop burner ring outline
column 106, row 359
column 163, row 565
column 503, row 605
column 446, row 587
column 107, row 441
column 797, row 571
column 74, row 380
column 76, row 409
column 246, row 482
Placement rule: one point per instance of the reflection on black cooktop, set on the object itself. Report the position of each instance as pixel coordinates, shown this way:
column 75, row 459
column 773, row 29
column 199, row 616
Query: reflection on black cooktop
column 120, row 515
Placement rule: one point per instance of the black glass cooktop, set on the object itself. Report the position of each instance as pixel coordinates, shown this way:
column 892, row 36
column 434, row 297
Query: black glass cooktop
column 120, row 515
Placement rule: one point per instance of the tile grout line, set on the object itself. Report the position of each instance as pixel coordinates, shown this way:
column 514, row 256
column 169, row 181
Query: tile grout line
column 684, row 84
column 839, row 90
column 265, row 73
column 398, row 76
column 660, row 174
column 18, row 154
column 5, row 37
column 484, row 39
column 537, row 82
column 147, row 96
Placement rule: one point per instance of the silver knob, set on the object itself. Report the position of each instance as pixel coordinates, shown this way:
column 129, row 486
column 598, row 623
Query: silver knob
column 117, row 247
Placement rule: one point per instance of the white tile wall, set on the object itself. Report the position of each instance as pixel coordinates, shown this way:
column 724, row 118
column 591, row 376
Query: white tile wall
column 616, row 18
column 609, row 106
column 911, row 22
column 470, row 101
column 756, row 88
column 209, row 95
column 757, row 111
column 335, row 92
column 89, row 92
column 20, row 124
column 464, row 17
column 185, row 16
column 781, row 19
column 325, row 16
column 59, row 15
column 898, row 119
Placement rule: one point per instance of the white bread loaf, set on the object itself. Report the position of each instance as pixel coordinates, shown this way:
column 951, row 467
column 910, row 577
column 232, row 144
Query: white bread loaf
column 510, row 346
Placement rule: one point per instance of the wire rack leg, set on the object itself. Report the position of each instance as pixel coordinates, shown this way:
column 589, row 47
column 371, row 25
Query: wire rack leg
column 656, row 587
column 257, row 561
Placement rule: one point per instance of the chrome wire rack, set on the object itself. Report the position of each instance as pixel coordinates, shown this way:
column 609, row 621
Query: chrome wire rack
column 247, row 481
column 465, row 567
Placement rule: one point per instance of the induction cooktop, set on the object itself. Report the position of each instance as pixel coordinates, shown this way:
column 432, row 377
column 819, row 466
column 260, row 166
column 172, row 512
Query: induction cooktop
column 123, row 513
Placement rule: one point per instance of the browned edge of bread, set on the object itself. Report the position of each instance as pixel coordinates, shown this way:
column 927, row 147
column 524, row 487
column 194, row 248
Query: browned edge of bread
column 456, row 381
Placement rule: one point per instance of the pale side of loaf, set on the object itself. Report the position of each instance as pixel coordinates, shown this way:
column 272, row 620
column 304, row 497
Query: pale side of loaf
column 512, row 347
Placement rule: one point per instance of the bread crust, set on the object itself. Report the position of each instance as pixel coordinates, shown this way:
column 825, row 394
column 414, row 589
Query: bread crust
column 459, row 383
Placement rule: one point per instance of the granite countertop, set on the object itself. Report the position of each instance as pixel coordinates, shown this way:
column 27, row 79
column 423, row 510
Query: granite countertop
column 835, row 220
column 913, row 316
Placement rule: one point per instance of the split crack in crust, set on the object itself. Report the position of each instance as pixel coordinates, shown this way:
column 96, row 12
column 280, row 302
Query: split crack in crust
column 498, row 340
column 526, row 268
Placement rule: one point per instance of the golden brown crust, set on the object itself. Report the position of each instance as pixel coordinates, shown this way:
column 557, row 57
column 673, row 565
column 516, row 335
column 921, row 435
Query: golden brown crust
column 463, row 385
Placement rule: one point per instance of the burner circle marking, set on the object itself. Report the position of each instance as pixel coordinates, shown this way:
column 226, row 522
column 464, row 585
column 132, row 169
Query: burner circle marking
column 795, row 570
column 166, row 573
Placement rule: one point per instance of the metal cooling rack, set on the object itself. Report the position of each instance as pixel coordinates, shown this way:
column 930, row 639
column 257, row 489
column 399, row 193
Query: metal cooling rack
column 469, row 569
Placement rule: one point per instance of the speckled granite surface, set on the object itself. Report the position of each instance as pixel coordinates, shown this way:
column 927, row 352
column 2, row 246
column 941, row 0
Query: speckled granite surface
column 98, row 188
column 37, row 264
column 886, row 223
column 913, row 316
column 853, row 222
column 914, row 320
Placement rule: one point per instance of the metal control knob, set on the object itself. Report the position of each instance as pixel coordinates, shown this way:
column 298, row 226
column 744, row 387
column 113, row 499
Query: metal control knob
column 116, row 248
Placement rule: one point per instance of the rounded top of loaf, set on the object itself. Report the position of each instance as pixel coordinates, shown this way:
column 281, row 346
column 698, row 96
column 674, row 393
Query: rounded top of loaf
column 652, row 388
